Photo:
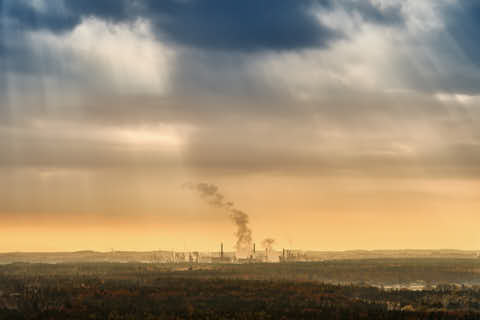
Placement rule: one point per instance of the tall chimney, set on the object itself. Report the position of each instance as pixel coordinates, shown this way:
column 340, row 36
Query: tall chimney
column 254, row 248
column 221, row 250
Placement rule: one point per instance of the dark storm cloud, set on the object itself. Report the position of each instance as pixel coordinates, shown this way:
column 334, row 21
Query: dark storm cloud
column 391, row 15
column 61, row 16
column 115, row 10
column 248, row 25
column 21, row 15
column 446, row 57
column 463, row 23
column 214, row 24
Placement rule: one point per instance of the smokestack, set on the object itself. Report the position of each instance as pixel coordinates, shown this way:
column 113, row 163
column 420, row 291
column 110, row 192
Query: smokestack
column 268, row 245
column 221, row 250
column 196, row 254
column 254, row 248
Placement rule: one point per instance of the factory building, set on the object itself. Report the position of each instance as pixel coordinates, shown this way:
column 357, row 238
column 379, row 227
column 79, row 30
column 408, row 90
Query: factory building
column 292, row 256
column 222, row 257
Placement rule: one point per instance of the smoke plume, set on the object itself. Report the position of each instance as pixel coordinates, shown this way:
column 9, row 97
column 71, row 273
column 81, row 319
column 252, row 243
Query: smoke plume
column 268, row 244
column 210, row 193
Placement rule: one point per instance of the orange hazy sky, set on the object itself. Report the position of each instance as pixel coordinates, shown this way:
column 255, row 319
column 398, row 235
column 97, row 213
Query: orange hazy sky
column 326, row 213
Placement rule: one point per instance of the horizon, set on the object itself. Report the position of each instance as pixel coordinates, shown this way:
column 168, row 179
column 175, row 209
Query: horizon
column 233, row 250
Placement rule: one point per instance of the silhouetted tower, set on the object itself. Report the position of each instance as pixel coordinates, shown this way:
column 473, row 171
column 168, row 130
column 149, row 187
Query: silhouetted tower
column 254, row 248
column 196, row 254
column 221, row 250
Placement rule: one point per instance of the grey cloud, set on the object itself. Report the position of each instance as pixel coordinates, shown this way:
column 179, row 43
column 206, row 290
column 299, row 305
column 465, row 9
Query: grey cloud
column 75, row 145
column 250, row 25
column 445, row 58
column 462, row 23
column 388, row 15
column 247, row 25
column 377, row 135
column 61, row 15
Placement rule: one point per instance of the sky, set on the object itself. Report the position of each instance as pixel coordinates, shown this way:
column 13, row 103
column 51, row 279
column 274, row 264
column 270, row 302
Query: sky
column 332, row 124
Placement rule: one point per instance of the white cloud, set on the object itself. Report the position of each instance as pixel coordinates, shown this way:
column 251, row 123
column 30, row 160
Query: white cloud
column 463, row 99
column 122, row 57
column 360, row 63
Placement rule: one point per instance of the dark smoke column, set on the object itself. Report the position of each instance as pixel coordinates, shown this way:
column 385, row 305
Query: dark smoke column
column 210, row 193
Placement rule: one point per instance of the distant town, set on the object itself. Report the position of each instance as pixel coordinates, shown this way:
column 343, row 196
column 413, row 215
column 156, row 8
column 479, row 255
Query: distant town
column 221, row 256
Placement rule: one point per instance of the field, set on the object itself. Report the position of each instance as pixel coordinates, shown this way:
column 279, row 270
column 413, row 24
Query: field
column 345, row 289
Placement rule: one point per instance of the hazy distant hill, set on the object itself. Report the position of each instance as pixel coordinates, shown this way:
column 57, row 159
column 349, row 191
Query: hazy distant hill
column 168, row 256
column 376, row 254
column 84, row 256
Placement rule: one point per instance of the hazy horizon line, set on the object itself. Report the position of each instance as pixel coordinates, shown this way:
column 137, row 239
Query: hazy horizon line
column 229, row 251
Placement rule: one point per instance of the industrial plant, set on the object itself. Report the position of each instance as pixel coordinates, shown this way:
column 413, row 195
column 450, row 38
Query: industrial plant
column 265, row 255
